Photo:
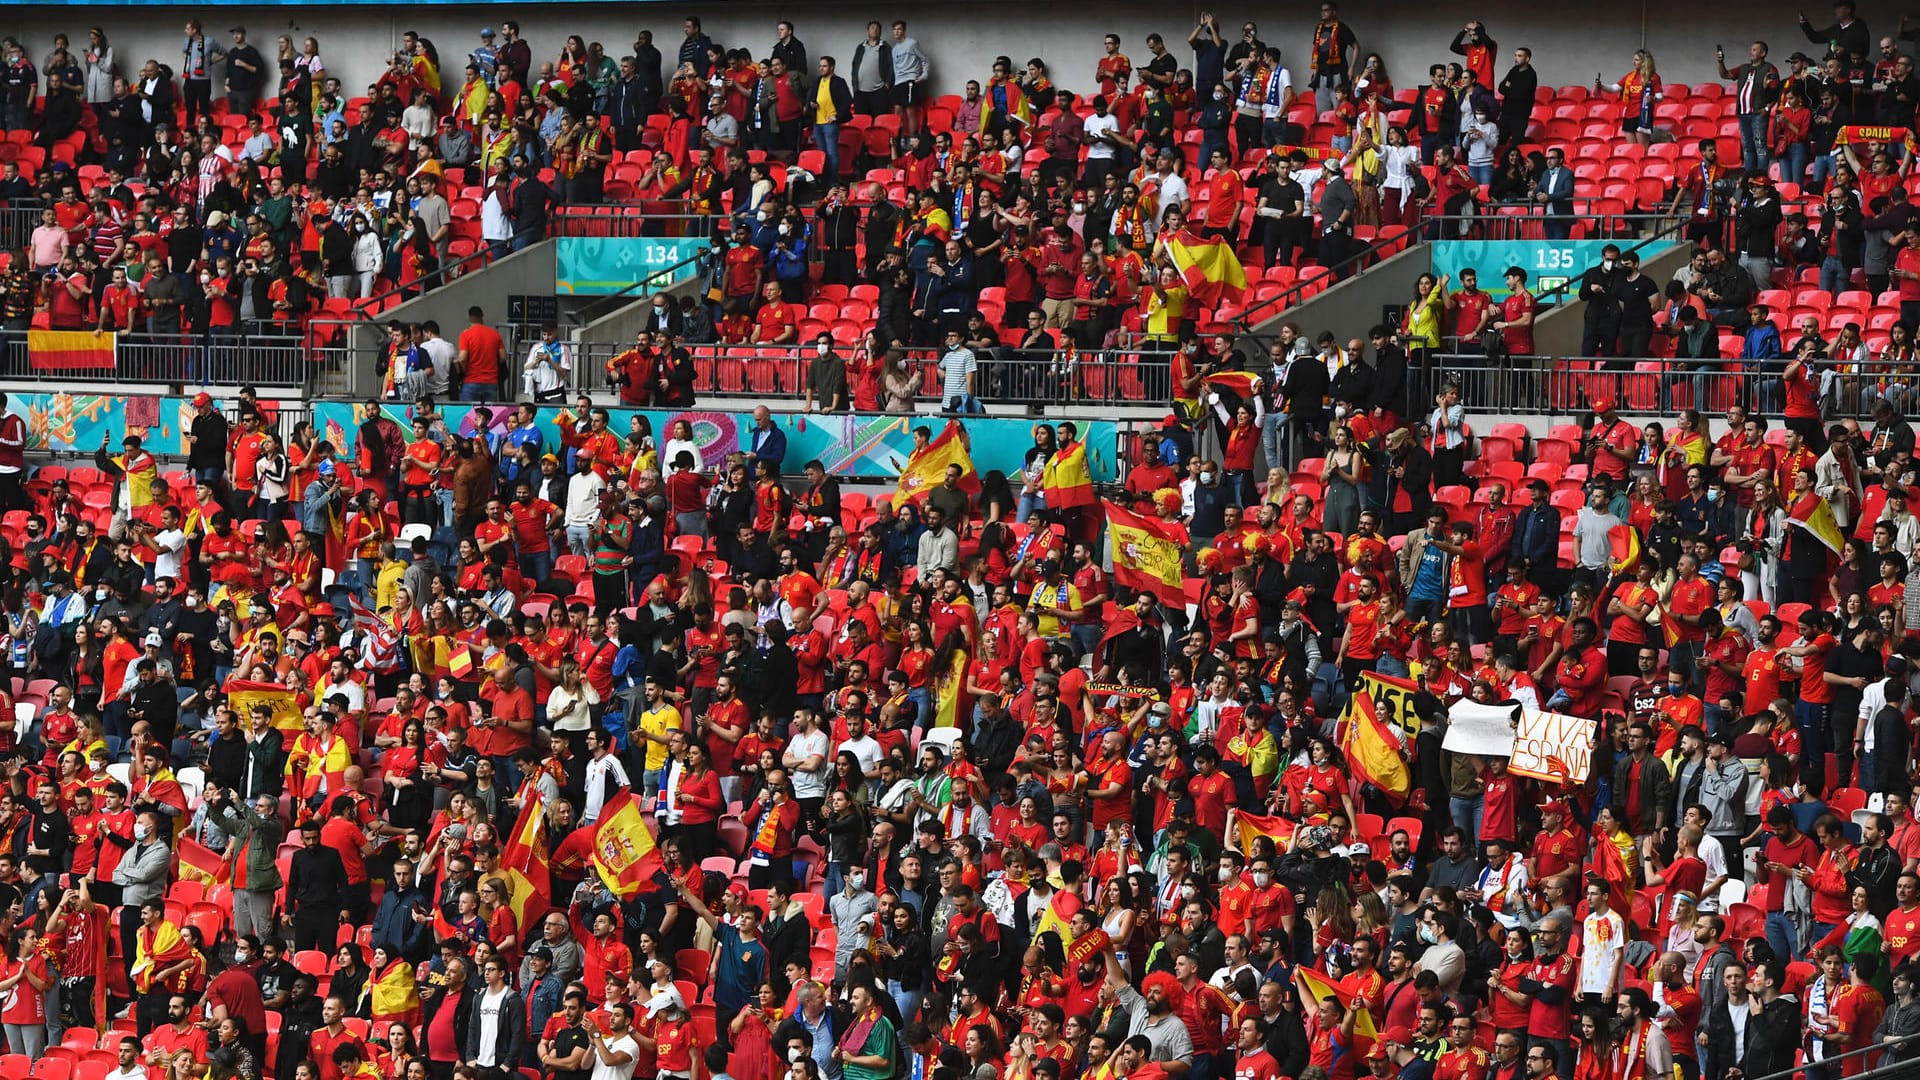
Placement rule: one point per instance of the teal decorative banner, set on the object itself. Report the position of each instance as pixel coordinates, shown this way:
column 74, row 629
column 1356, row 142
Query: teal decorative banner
column 604, row 265
column 1548, row 263
column 851, row 446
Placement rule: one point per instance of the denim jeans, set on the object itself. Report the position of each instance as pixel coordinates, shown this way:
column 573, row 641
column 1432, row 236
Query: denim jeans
column 536, row 566
column 1783, row 935
column 908, row 1000
column 1482, row 174
column 1793, row 170
column 1823, row 167
column 1027, row 504
column 478, row 392
column 1466, row 814
column 444, row 497
column 580, row 540
column 1275, row 440
column 1753, row 142
column 826, row 137
column 1833, row 275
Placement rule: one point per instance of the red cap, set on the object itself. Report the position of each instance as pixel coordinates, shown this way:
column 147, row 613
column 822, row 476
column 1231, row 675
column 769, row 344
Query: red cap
column 1602, row 404
column 1399, row 1033
column 201, row 399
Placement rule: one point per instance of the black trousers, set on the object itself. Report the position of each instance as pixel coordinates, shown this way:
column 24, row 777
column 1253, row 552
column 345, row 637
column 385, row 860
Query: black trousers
column 316, row 928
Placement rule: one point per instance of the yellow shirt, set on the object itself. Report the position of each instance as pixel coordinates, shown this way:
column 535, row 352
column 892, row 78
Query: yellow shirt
column 824, row 111
column 658, row 722
column 387, row 583
column 1048, row 596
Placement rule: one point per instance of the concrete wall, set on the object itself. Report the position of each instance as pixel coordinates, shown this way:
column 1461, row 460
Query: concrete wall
column 1355, row 305
column 1570, row 44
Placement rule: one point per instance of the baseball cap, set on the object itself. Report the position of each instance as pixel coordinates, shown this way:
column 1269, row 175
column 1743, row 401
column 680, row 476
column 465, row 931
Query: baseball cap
column 202, row 399
column 1602, row 404
column 486, row 31
column 154, row 640
column 1398, row 1033
column 542, row 952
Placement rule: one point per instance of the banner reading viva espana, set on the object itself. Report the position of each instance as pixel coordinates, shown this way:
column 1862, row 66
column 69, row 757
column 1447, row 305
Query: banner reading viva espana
column 1552, row 746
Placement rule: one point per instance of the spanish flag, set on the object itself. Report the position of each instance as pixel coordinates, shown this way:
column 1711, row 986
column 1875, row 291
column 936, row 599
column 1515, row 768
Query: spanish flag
column 1623, row 545
column 1067, row 480
column 1314, row 988
column 1244, row 828
column 1815, row 515
column 71, row 350
column 155, row 950
column 623, row 848
column 1373, row 751
column 198, row 862
column 927, row 469
column 1145, row 557
column 1610, row 864
column 524, row 861
column 1242, row 384
column 1209, row 267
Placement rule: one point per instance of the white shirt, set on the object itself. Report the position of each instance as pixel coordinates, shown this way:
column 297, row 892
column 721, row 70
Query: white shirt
column 1715, row 857
column 1173, row 192
column 1097, row 126
column 583, row 500
column 1603, row 948
column 867, row 750
column 622, row 1044
column 356, row 696
column 494, row 223
column 490, row 1005
column 1738, row 1014
column 173, row 552
column 577, row 720
column 803, row 745
column 597, row 772
column 546, row 367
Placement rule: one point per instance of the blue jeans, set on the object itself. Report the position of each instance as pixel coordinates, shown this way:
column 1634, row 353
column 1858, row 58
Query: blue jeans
column 1753, row 142
column 1812, row 719
column 444, row 497
column 1833, row 275
column 1027, row 504
column 908, row 1000
column 1822, row 170
column 1391, row 665
column 580, row 540
column 1466, row 815
column 1793, row 169
column 479, row 392
column 1783, row 935
column 826, row 137
column 1482, row 174
column 1275, row 440
column 536, row 566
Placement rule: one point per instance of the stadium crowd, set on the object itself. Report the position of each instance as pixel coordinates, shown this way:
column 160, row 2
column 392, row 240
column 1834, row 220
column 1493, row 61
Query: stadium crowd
column 484, row 745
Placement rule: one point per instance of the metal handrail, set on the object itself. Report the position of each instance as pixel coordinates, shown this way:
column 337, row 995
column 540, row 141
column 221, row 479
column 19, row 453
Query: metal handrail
column 662, row 278
column 1859, row 1051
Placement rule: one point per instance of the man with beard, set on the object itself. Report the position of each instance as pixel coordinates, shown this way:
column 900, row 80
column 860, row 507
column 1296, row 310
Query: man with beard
column 1153, row 1012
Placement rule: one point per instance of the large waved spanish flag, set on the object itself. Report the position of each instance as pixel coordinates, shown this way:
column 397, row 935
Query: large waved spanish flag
column 155, row 950
column 1210, row 268
column 71, row 350
column 623, row 847
column 524, row 861
column 198, row 862
column 1067, row 479
column 1244, row 828
column 1623, row 549
column 1815, row 515
column 927, row 469
column 1146, row 557
column 1373, row 751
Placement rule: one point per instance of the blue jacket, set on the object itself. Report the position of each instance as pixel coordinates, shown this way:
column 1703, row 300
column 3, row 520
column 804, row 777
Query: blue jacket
column 1536, row 536
column 1760, row 342
column 769, row 445
column 395, row 930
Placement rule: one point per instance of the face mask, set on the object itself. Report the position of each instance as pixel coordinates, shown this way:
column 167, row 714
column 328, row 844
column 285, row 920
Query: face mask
column 1427, row 935
column 142, row 832
column 820, row 350
column 100, row 593
column 1186, row 892
column 1226, row 874
column 239, row 956
column 1206, row 478
column 1606, row 264
column 98, row 766
column 785, row 229
column 858, row 881
column 795, row 1053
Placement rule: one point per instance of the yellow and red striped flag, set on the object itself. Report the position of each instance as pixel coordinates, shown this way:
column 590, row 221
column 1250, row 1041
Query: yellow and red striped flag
column 927, row 469
column 1314, row 988
column 1209, row 267
column 1373, row 751
column 1145, row 556
column 198, row 862
column 1244, row 828
column 623, row 847
column 1815, row 515
column 1067, row 480
column 524, row 860
column 1243, row 384
column 71, row 350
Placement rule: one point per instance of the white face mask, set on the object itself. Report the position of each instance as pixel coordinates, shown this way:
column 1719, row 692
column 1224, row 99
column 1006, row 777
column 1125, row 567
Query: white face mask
column 192, row 602
column 858, row 881
column 1606, row 264
column 100, row 593
column 795, row 1054
column 98, row 765
column 239, row 956
column 1226, row 874
column 820, row 350
column 142, row 832
column 1260, row 880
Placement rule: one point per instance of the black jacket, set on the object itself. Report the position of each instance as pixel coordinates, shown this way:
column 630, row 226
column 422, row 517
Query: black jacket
column 1390, row 382
column 510, row 1035
column 316, row 879
column 883, row 52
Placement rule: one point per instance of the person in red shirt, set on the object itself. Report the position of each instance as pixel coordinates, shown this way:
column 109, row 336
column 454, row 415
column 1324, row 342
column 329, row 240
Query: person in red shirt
column 1467, row 583
column 1802, row 409
column 1211, row 791
column 776, row 323
column 1613, row 444
column 1330, row 1039
column 1816, row 693
column 505, row 721
column 1903, row 922
column 1516, row 314
column 1471, row 308
column 1582, row 672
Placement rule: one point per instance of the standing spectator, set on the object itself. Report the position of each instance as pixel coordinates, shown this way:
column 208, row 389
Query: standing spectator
column 1756, row 86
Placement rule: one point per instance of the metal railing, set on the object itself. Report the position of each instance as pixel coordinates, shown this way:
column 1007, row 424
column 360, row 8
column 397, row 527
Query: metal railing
column 1119, row 376
column 648, row 219
column 16, row 226
column 1538, row 385
column 270, row 360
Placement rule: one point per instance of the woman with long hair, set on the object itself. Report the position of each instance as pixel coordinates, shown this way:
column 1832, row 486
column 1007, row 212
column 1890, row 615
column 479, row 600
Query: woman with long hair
column 751, row 1030
column 1592, row 1046
column 904, row 960
column 1639, row 91
column 1342, row 475
column 393, row 999
column 24, row 981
